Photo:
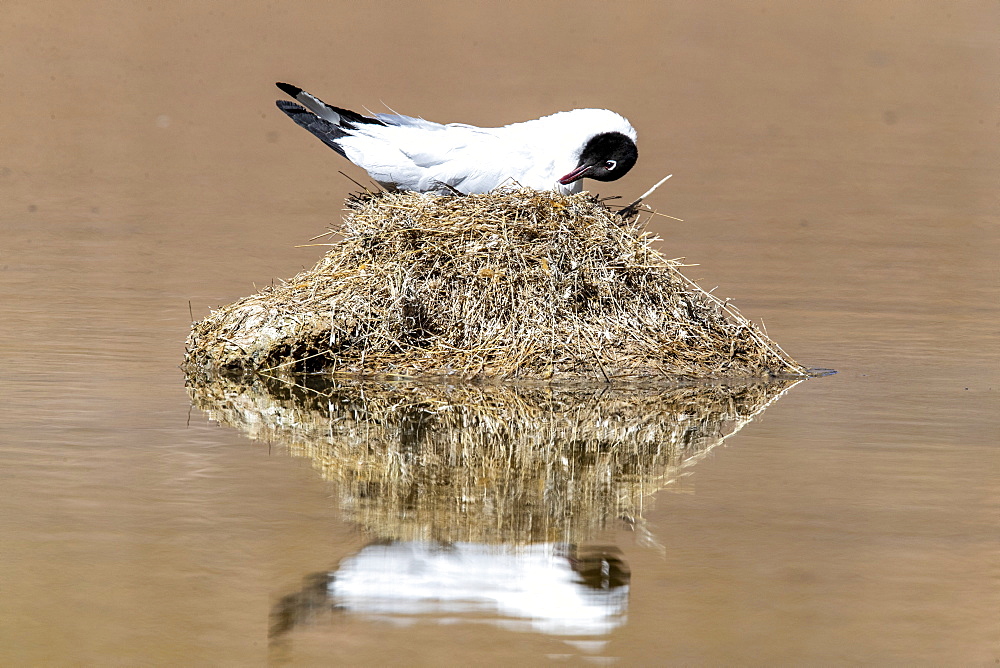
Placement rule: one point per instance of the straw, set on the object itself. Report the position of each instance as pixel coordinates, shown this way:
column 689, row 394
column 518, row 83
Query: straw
column 515, row 284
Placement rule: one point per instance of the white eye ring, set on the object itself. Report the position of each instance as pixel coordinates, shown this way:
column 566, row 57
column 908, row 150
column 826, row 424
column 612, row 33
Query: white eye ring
column 610, row 164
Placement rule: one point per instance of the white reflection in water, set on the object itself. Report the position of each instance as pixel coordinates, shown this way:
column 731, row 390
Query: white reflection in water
column 544, row 588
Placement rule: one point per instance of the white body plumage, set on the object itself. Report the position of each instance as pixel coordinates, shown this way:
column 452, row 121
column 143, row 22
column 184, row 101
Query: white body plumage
column 550, row 153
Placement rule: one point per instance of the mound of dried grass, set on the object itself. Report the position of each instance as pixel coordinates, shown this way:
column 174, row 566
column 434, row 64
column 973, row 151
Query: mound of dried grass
column 489, row 463
column 511, row 284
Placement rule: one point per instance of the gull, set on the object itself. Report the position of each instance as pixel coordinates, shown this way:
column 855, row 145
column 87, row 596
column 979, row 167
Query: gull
column 404, row 153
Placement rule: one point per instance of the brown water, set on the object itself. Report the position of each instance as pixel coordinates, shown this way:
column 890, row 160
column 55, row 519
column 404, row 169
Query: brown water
column 836, row 165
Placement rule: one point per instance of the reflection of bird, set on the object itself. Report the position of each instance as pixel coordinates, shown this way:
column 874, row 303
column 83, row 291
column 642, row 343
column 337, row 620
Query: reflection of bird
column 551, row 153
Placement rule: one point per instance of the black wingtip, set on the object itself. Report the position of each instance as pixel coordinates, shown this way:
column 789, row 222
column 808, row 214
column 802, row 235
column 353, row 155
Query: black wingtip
column 289, row 88
column 290, row 107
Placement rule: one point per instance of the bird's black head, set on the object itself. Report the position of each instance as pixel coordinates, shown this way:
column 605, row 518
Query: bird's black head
column 605, row 157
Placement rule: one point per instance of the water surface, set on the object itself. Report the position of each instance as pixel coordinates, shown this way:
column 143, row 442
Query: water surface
column 835, row 166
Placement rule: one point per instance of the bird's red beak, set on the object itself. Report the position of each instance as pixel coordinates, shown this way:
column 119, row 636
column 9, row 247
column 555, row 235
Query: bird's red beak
column 575, row 175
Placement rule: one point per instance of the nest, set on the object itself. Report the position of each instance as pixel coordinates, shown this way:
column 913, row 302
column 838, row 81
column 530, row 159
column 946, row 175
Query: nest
column 516, row 284
column 489, row 463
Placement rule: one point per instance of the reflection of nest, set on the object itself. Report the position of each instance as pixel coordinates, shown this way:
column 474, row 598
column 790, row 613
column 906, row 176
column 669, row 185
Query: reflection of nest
column 489, row 463
column 515, row 283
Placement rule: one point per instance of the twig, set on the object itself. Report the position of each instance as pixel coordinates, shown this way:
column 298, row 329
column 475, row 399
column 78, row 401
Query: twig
column 344, row 174
column 633, row 208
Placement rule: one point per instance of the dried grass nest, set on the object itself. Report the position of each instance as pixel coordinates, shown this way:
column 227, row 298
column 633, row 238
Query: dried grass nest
column 514, row 284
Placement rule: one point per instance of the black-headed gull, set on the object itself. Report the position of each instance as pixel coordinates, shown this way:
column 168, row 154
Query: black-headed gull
column 551, row 153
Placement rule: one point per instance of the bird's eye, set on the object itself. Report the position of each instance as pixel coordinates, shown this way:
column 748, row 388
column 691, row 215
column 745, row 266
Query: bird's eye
column 610, row 164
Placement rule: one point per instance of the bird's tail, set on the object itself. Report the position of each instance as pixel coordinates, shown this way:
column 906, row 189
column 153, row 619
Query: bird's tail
column 327, row 122
column 327, row 132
